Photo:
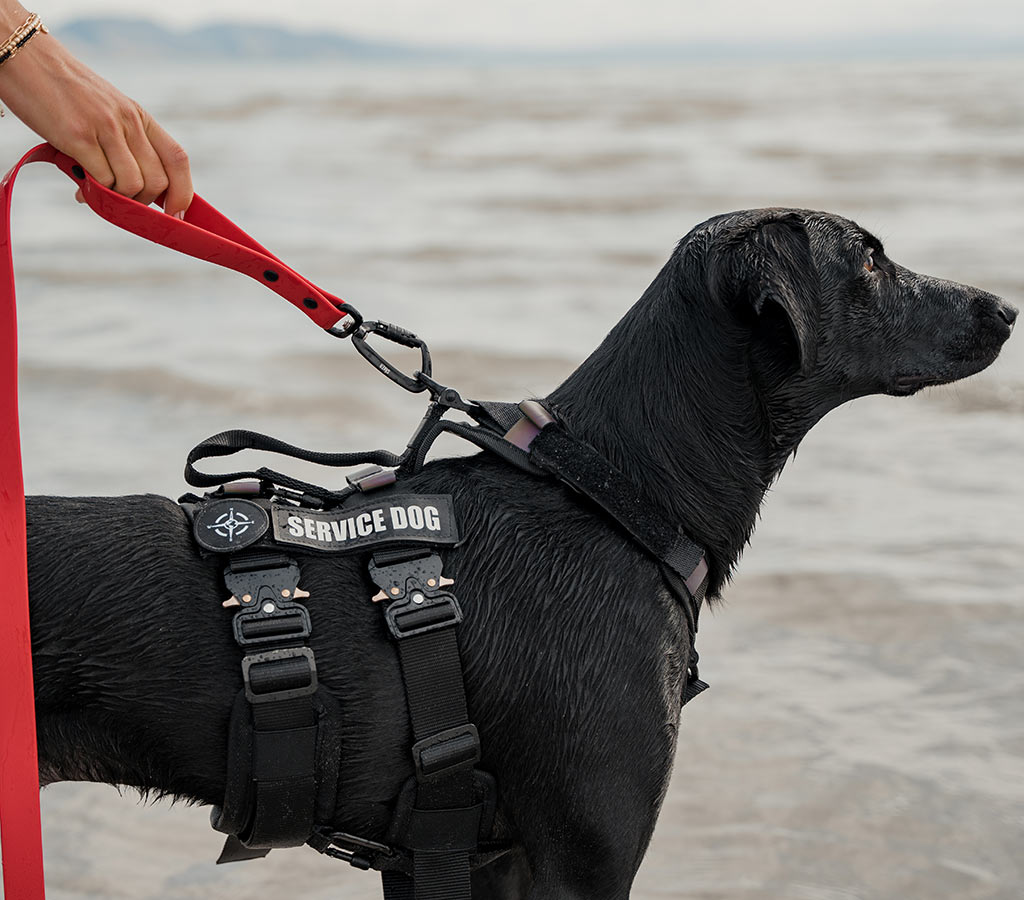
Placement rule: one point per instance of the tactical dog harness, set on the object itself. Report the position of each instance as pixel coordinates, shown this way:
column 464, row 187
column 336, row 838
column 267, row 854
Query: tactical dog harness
column 284, row 739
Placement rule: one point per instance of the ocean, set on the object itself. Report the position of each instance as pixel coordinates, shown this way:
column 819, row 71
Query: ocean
column 863, row 737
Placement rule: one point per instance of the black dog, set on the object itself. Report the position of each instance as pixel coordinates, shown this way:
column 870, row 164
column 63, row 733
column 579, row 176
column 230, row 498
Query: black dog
column 574, row 651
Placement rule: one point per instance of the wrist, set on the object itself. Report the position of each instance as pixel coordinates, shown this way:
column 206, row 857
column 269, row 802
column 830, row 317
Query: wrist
column 11, row 16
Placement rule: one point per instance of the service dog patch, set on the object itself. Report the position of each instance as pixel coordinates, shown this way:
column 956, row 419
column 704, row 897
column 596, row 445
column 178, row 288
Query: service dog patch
column 228, row 525
column 423, row 518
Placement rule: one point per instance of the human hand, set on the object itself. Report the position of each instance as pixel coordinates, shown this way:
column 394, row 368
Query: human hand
column 115, row 140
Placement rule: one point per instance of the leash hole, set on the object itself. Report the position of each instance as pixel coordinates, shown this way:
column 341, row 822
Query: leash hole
column 309, row 303
column 78, row 172
column 271, row 275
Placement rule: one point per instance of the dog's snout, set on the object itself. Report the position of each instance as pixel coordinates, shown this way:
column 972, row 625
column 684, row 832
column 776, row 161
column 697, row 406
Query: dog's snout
column 995, row 310
column 1006, row 312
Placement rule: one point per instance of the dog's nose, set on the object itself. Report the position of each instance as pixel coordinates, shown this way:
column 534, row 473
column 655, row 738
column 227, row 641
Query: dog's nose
column 1006, row 312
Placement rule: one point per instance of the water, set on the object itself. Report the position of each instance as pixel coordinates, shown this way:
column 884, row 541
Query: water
column 863, row 737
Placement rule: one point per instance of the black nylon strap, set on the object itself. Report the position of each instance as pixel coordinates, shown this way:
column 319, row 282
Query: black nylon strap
column 397, row 886
column 235, row 851
column 272, row 788
column 441, row 876
column 283, row 767
column 572, row 461
column 432, row 672
column 585, row 470
column 445, row 821
column 229, row 442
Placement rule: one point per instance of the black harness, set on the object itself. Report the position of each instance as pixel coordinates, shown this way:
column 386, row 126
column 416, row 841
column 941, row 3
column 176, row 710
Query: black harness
column 284, row 740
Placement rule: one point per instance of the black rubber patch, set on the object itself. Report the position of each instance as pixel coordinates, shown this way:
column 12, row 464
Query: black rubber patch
column 228, row 525
column 400, row 518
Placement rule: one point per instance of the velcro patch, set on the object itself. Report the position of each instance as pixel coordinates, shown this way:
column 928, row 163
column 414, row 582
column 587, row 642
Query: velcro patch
column 423, row 518
column 225, row 526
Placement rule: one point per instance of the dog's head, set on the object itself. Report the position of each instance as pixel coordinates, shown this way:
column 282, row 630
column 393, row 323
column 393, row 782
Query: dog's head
column 827, row 309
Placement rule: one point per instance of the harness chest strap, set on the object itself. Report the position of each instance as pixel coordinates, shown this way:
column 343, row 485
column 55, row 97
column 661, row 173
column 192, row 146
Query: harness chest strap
column 279, row 783
column 444, row 824
column 531, row 437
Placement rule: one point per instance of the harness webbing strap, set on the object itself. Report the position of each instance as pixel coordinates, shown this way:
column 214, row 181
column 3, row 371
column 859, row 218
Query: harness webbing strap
column 229, row 442
column 271, row 787
column 444, row 824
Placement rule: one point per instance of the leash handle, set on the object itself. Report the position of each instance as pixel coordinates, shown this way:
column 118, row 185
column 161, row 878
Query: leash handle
column 19, row 773
column 207, row 234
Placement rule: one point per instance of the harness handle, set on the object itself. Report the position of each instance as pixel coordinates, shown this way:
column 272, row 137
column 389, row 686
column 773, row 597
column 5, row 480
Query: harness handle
column 205, row 233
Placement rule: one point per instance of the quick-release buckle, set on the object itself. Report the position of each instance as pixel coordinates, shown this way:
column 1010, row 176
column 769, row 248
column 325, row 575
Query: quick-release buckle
column 415, row 587
column 445, row 752
column 264, row 672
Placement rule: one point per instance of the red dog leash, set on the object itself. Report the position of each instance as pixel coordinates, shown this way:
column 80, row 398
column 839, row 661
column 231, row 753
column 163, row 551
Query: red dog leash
column 206, row 234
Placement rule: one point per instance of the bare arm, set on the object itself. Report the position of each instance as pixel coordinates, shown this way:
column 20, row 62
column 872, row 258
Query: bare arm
column 69, row 105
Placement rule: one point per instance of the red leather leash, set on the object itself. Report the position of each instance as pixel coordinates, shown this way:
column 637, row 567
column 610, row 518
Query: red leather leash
column 206, row 234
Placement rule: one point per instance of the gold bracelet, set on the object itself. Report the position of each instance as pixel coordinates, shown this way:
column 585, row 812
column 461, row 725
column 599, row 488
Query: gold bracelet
column 21, row 36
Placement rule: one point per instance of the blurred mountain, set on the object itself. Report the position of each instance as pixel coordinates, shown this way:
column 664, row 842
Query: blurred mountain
column 145, row 38
column 138, row 38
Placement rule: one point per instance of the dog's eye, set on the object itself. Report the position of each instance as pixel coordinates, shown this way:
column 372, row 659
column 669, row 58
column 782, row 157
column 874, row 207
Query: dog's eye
column 869, row 263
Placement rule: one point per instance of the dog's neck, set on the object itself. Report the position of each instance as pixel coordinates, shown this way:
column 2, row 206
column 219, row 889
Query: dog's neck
column 670, row 397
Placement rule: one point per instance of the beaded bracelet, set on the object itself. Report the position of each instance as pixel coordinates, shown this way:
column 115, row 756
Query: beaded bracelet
column 21, row 36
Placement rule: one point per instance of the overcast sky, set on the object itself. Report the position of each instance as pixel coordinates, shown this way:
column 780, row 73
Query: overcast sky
column 571, row 23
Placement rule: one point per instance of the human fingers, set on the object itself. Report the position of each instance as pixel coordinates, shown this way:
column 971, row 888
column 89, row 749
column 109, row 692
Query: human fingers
column 90, row 156
column 128, row 178
column 176, row 166
column 150, row 165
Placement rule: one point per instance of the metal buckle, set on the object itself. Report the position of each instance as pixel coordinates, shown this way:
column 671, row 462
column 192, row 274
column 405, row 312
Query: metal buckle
column 447, row 751
column 255, row 659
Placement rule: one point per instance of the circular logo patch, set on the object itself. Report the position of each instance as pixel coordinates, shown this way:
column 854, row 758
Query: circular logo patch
column 227, row 525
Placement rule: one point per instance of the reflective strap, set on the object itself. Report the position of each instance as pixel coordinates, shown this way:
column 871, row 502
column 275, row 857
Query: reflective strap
column 19, row 773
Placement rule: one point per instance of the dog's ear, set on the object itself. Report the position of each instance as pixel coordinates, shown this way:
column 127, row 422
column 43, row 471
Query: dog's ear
column 769, row 262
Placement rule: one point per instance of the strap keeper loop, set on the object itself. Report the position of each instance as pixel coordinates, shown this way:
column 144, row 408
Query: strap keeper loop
column 445, row 752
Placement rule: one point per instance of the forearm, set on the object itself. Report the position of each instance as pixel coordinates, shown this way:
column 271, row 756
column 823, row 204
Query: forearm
column 69, row 105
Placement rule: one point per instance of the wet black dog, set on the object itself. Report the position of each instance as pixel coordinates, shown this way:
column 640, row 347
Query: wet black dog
column 760, row 323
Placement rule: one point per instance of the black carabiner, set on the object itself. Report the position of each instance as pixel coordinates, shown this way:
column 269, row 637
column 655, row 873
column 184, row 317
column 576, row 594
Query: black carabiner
column 396, row 335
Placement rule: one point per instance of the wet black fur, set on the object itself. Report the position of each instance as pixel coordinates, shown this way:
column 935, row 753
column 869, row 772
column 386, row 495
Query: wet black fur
column 759, row 324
